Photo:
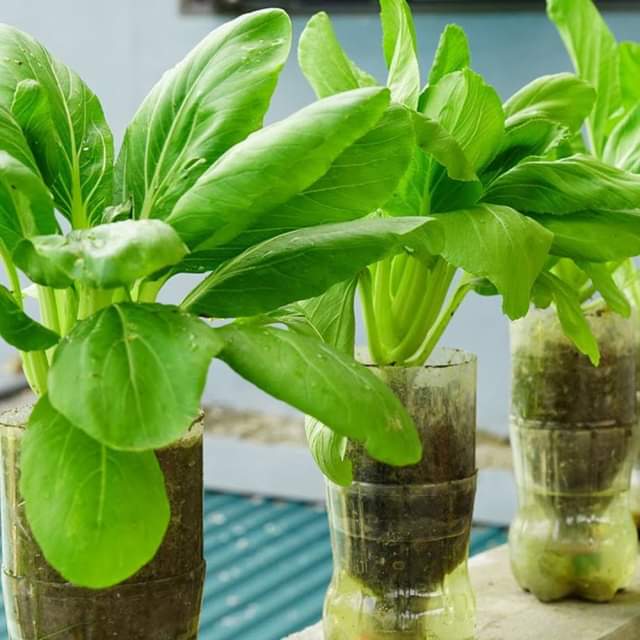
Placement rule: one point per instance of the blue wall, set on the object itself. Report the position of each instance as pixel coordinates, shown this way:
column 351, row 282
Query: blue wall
column 121, row 47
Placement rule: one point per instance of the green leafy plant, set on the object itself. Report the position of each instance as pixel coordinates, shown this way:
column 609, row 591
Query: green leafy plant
column 613, row 136
column 198, row 186
column 510, row 200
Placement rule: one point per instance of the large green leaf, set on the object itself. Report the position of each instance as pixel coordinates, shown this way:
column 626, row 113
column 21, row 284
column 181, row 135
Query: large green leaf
column 629, row 73
column 70, row 137
column 332, row 318
column 562, row 98
column 329, row 316
column 570, row 314
column 401, row 52
column 360, row 180
column 302, row 264
column 500, row 244
column 594, row 236
column 451, row 55
column 325, row 63
column 325, row 384
column 470, row 110
column 623, row 145
column 564, row 186
column 107, row 256
column 201, row 108
column 273, row 165
column 594, row 52
column 132, row 375
column 13, row 141
column 603, row 281
column 524, row 140
column 435, row 141
column 393, row 15
column 98, row 515
column 410, row 196
column 19, row 330
column 26, row 206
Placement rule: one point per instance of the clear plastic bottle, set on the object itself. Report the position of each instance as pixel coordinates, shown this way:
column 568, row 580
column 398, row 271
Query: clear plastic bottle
column 401, row 536
column 573, row 430
column 162, row 601
column 635, row 473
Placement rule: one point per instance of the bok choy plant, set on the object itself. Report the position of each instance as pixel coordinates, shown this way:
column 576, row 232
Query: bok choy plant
column 600, row 244
column 495, row 178
column 119, row 375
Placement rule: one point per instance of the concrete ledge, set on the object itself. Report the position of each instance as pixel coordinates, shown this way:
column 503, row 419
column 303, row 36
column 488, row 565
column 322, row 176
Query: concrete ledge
column 505, row 612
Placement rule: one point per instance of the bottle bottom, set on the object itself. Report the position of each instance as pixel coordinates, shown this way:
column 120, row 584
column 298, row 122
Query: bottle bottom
column 355, row 612
column 582, row 556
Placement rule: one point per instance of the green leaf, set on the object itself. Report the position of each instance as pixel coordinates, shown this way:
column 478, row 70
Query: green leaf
column 360, row 181
column 604, row 282
column 205, row 105
column 567, row 185
column 329, row 316
column 26, row 207
column 409, row 197
column 104, row 257
column 65, row 126
column 524, row 140
column 562, row 98
column 19, row 330
column 623, row 145
column 629, row 73
column 393, row 15
column 273, row 165
column 435, row 141
column 329, row 450
column 13, row 141
column 332, row 317
column 594, row 53
column 568, row 271
column 302, row 264
column 470, row 111
column 570, row 314
column 132, row 375
column 98, row 515
column 325, row 384
column 500, row 244
column 401, row 52
column 594, row 236
column 452, row 54
column 324, row 62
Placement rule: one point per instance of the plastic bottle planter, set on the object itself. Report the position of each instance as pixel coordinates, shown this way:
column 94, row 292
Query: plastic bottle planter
column 401, row 536
column 635, row 493
column 573, row 431
column 635, row 474
column 162, row 601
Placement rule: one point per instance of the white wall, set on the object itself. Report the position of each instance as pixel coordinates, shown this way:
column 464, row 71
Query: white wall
column 121, row 47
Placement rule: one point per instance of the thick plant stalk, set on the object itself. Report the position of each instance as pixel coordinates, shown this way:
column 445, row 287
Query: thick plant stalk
column 574, row 429
column 162, row 601
column 401, row 535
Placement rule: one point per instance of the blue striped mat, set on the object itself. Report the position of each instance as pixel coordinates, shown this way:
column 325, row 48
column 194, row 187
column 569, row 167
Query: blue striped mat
column 268, row 566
